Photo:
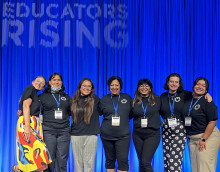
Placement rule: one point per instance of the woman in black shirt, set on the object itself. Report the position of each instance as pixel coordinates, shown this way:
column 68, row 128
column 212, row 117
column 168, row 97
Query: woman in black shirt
column 115, row 128
column 173, row 130
column 203, row 135
column 85, row 126
column 56, row 127
column 32, row 152
column 146, row 130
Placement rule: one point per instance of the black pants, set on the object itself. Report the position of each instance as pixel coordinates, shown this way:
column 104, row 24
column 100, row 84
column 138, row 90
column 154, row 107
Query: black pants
column 116, row 150
column 174, row 139
column 146, row 141
column 57, row 142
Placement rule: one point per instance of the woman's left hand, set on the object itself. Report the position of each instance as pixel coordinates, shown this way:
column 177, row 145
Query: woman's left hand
column 19, row 113
column 202, row 145
column 27, row 133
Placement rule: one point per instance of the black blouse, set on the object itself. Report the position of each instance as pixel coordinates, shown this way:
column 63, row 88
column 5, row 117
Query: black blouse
column 178, row 104
column 202, row 113
column 81, row 128
column 49, row 105
column 152, row 113
column 30, row 92
column 124, row 109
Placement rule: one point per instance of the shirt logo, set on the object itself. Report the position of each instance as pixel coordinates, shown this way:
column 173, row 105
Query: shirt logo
column 177, row 99
column 63, row 98
column 124, row 101
column 197, row 107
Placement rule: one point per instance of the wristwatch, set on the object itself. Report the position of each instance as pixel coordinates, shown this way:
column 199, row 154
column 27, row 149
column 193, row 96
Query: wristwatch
column 203, row 139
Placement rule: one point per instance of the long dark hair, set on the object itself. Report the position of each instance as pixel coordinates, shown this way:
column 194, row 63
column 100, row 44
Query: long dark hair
column 77, row 109
column 138, row 96
column 48, row 88
column 180, row 89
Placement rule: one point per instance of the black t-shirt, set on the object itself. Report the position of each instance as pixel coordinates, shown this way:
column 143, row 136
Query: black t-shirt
column 108, row 131
column 30, row 92
column 81, row 128
column 152, row 113
column 202, row 113
column 49, row 105
column 178, row 104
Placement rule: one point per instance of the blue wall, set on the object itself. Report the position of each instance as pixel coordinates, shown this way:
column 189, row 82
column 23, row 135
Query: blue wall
column 97, row 39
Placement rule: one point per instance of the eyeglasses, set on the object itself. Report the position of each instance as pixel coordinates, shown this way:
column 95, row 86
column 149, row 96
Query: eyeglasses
column 144, row 86
column 87, row 86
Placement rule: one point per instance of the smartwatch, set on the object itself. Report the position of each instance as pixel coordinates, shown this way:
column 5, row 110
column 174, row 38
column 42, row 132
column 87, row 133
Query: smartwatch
column 203, row 139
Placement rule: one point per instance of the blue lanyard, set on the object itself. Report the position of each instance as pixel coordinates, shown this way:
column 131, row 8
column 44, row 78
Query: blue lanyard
column 58, row 102
column 171, row 105
column 116, row 107
column 145, row 108
column 192, row 105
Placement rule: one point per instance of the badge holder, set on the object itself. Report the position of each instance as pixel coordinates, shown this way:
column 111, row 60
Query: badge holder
column 172, row 122
column 188, row 120
column 41, row 118
column 115, row 120
column 144, row 122
column 58, row 114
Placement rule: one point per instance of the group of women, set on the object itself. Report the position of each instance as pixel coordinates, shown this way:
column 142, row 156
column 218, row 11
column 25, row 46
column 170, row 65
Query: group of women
column 184, row 113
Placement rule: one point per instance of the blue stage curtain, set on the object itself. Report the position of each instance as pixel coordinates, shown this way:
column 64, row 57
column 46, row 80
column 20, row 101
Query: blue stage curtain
column 133, row 39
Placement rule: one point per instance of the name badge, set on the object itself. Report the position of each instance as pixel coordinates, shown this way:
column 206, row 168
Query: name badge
column 188, row 120
column 144, row 122
column 58, row 114
column 41, row 118
column 115, row 120
column 172, row 122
